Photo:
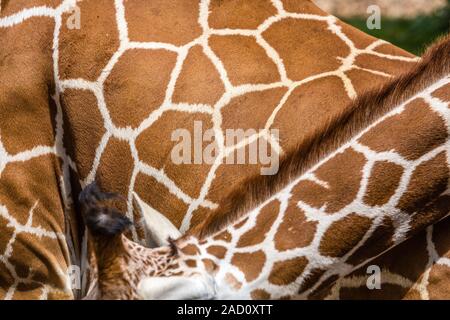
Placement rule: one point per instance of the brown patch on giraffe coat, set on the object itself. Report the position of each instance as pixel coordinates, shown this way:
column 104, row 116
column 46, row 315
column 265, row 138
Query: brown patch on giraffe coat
column 311, row 279
column 383, row 182
column 6, row 279
column 307, row 191
column 43, row 255
column 21, row 189
column 323, row 289
column 408, row 259
column 115, row 176
column 32, row 252
column 240, row 224
column 389, row 66
column 191, row 263
column 260, row 294
column 8, row 7
column 287, row 271
column 361, row 41
column 26, row 113
column 76, row 226
column 159, row 147
column 441, row 237
column 199, row 81
column 224, row 236
column 308, row 109
column 443, row 94
column 294, row 231
column 174, row 21
column 190, row 250
column 210, row 266
column 57, row 295
column 159, row 197
column 264, row 222
column 387, row 48
column 438, row 287
column 83, row 128
column 428, row 181
column 378, row 241
column 413, row 133
column 217, row 251
column 85, row 51
column 343, row 235
column 239, row 14
column 251, row 110
column 291, row 37
column 229, row 177
column 232, row 281
column 239, row 55
column 138, row 83
column 199, row 215
column 187, row 176
column 250, row 264
column 155, row 143
column 364, row 81
column 33, row 289
column 343, row 174
column 432, row 212
column 412, row 294
column 388, row 291
column 302, row 6
column 5, row 236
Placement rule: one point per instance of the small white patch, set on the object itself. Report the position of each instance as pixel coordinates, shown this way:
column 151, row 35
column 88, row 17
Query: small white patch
column 159, row 228
column 176, row 288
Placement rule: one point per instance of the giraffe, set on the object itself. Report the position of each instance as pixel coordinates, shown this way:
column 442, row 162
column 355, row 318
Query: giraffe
column 420, row 275
column 375, row 177
column 66, row 120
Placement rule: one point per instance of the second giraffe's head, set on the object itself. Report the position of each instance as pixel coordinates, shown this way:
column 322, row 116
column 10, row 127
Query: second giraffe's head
column 167, row 268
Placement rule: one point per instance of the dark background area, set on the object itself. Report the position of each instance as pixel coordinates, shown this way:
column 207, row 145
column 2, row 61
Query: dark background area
column 413, row 35
column 412, row 32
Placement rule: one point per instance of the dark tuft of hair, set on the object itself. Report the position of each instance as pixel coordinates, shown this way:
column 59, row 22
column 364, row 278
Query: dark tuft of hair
column 100, row 218
column 173, row 246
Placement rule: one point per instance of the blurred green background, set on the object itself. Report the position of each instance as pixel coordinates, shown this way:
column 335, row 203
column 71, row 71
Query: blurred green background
column 412, row 34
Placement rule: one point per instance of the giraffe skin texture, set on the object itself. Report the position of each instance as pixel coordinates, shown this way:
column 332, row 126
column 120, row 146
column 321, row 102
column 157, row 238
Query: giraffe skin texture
column 99, row 103
column 386, row 182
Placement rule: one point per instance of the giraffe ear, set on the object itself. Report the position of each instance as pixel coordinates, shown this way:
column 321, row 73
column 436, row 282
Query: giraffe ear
column 158, row 227
column 176, row 288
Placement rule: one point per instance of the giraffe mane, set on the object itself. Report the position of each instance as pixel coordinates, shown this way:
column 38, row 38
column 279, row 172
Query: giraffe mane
column 3, row 4
column 367, row 108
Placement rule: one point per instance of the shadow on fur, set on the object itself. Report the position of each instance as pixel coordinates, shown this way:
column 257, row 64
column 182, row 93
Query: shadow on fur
column 101, row 219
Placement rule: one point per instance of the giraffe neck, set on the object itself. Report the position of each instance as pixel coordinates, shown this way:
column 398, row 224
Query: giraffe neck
column 386, row 183
column 133, row 262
